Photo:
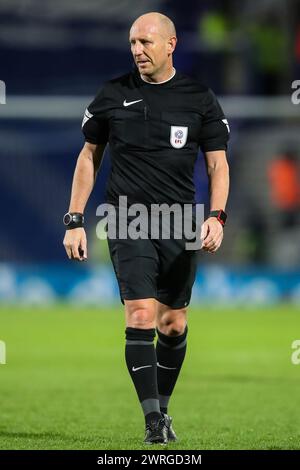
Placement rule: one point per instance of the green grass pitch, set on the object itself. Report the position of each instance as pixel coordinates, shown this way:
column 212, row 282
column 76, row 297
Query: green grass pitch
column 65, row 384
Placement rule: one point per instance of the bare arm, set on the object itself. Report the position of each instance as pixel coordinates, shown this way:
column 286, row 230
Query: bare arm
column 218, row 174
column 85, row 174
column 88, row 164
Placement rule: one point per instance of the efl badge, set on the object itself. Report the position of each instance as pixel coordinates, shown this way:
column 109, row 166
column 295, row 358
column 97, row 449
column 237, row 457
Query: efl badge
column 178, row 136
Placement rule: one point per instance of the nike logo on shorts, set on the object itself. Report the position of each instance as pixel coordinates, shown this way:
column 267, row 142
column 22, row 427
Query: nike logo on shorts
column 134, row 369
column 129, row 103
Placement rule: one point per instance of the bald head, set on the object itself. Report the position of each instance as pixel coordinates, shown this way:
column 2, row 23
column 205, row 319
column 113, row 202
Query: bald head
column 155, row 22
column 152, row 40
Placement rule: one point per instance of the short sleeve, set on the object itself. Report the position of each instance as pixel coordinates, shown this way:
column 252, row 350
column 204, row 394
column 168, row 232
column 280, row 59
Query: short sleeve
column 95, row 121
column 214, row 133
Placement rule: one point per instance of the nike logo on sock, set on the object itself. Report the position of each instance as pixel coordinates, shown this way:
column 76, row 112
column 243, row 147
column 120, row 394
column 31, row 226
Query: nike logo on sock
column 164, row 367
column 134, row 369
column 129, row 103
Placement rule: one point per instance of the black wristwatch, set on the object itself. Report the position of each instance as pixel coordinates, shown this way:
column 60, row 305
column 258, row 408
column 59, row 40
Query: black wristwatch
column 220, row 215
column 73, row 220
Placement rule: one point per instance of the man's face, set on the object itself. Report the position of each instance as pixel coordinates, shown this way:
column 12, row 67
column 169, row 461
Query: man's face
column 149, row 48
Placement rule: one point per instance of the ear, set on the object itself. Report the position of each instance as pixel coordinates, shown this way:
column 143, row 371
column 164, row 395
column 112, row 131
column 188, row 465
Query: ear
column 171, row 44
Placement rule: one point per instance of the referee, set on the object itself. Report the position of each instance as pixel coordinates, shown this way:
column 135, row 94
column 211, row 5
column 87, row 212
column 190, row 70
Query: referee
column 154, row 119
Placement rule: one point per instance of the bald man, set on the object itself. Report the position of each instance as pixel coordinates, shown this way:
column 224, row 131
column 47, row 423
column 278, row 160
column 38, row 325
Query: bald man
column 154, row 119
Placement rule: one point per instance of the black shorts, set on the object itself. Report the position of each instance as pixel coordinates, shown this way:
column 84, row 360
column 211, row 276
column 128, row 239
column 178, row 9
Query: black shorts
column 154, row 268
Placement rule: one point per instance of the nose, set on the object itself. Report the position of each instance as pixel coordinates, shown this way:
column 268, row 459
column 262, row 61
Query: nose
column 137, row 48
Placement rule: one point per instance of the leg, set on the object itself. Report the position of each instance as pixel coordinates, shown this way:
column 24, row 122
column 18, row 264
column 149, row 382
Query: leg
column 170, row 350
column 136, row 265
column 141, row 363
column 140, row 353
column 171, row 322
column 174, row 294
column 141, row 313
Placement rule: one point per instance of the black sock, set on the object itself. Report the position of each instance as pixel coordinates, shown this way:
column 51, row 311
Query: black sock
column 170, row 353
column 141, row 363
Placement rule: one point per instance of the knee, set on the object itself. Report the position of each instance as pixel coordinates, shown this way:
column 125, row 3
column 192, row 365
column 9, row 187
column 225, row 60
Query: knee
column 173, row 324
column 176, row 328
column 140, row 317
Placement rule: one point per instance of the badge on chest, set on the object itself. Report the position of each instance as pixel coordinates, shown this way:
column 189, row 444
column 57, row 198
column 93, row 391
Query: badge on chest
column 178, row 136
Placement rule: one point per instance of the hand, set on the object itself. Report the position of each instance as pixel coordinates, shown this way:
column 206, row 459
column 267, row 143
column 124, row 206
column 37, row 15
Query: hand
column 75, row 244
column 211, row 235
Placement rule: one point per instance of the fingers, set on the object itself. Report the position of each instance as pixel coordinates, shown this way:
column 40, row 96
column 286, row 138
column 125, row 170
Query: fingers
column 214, row 236
column 69, row 252
column 211, row 241
column 75, row 250
column 204, row 231
column 83, row 248
column 75, row 244
column 214, row 245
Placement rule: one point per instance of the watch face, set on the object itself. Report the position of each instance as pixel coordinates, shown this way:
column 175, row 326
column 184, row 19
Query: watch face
column 67, row 219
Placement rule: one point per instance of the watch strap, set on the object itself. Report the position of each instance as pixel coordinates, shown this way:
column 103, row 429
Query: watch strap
column 220, row 215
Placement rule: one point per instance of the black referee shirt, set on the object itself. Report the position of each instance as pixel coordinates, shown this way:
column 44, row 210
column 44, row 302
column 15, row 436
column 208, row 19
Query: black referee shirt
column 154, row 133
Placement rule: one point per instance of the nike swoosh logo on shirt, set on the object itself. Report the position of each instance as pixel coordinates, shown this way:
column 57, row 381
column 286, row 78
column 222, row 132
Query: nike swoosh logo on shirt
column 164, row 367
column 129, row 103
column 134, row 369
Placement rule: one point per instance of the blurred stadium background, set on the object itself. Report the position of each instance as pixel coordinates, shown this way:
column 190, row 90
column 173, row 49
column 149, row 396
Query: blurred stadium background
column 54, row 56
